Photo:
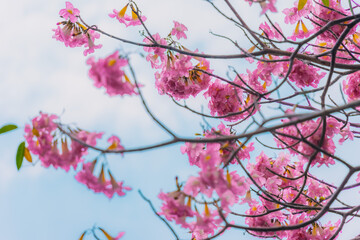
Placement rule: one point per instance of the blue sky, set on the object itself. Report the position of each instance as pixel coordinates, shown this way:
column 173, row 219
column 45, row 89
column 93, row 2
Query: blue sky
column 39, row 73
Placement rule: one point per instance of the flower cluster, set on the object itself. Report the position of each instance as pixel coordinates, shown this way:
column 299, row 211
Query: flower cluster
column 179, row 75
column 41, row 141
column 212, row 182
column 222, row 190
column 304, row 75
column 351, row 86
column 100, row 184
column 195, row 151
column 230, row 102
column 108, row 73
column 73, row 33
column 292, row 138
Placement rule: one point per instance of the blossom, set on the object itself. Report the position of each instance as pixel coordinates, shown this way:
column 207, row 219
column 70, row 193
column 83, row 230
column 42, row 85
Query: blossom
column 100, row 184
column 351, row 86
column 312, row 132
column 301, row 33
column 70, row 13
column 156, row 55
column 322, row 15
column 228, row 101
column 304, row 75
column 42, row 141
column 73, row 33
column 115, row 143
column 346, row 133
column 132, row 20
column 174, row 207
column 178, row 30
column 77, row 35
column 205, row 224
column 271, row 32
column 108, row 73
column 180, row 78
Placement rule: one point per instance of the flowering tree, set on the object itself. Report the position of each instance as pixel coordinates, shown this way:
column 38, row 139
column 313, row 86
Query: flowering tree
column 271, row 192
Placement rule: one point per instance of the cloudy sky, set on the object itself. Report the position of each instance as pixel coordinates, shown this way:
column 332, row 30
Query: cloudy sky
column 38, row 73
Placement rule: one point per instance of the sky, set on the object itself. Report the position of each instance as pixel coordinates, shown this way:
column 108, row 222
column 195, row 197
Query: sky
column 41, row 74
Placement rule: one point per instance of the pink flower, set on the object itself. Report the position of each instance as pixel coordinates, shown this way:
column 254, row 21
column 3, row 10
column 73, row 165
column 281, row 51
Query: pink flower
column 70, row 12
column 178, row 30
column 301, row 33
column 77, row 35
column 351, row 86
column 346, row 133
column 85, row 176
column 271, row 32
column 174, row 207
column 100, row 184
column 125, row 19
column 205, row 224
column 109, row 73
column 180, row 78
column 322, row 15
column 291, row 15
column 115, row 143
column 226, row 99
column 42, row 141
column 304, row 75
column 91, row 36
column 158, row 57
column 194, row 151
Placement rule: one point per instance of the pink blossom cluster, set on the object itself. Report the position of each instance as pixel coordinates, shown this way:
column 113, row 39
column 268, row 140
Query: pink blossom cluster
column 230, row 102
column 351, row 86
column 197, row 151
column 212, row 182
column 304, row 75
column 176, row 208
column 108, row 73
column 278, row 176
column 272, row 32
column 291, row 138
column 319, row 15
column 42, row 142
column 180, row 78
column 179, row 75
column 73, row 33
column 100, row 184
column 323, row 16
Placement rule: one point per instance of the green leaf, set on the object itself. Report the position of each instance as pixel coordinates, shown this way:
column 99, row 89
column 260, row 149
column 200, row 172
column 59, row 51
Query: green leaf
column 351, row 8
column 20, row 155
column 7, row 128
column 326, row 2
column 302, row 4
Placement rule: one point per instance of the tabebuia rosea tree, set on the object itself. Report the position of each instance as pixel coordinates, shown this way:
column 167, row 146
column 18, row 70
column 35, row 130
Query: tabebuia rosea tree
column 244, row 182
